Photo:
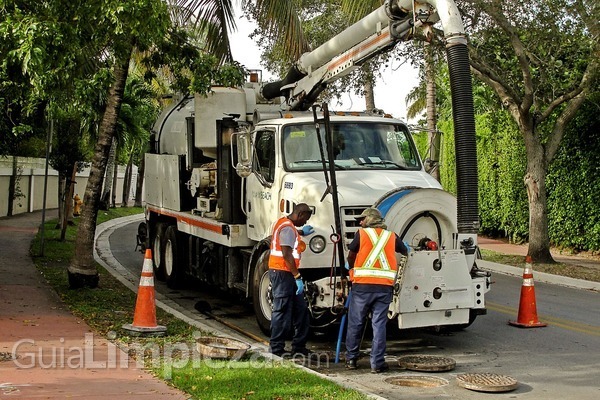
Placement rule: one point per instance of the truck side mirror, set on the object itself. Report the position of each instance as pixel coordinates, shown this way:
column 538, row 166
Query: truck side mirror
column 242, row 141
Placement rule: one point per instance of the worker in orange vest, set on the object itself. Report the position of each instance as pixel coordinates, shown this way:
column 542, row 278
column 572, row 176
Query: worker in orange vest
column 373, row 268
column 289, row 305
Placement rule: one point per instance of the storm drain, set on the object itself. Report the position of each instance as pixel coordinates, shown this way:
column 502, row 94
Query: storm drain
column 426, row 363
column 7, row 356
column 487, row 382
column 417, row 381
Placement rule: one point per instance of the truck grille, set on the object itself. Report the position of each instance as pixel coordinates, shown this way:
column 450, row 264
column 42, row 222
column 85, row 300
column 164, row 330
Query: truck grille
column 349, row 224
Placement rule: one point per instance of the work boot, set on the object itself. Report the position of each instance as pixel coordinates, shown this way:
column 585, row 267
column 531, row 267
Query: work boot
column 351, row 364
column 384, row 367
column 302, row 352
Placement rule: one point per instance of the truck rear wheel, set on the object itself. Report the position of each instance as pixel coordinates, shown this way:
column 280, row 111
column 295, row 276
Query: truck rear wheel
column 158, row 251
column 262, row 296
column 172, row 269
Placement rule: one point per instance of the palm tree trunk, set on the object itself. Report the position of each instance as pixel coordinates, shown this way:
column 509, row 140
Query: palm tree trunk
column 113, row 190
column 139, row 187
column 127, row 179
column 68, row 202
column 434, row 137
column 12, row 182
column 108, row 176
column 62, row 183
column 82, row 269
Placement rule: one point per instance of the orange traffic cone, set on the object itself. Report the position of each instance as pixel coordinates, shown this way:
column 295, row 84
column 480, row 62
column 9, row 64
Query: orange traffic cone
column 527, row 317
column 144, row 317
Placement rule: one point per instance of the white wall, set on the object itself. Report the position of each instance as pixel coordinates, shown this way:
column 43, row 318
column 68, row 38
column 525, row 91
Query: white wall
column 30, row 182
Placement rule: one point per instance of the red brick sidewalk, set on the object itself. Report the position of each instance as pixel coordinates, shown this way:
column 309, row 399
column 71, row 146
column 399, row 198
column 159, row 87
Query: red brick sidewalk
column 58, row 356
column 504, row 247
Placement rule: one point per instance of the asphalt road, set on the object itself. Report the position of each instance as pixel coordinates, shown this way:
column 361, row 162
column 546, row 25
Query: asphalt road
column 559, row 361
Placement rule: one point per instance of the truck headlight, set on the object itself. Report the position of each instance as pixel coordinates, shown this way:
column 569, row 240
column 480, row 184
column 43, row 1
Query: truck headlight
column 317, row 244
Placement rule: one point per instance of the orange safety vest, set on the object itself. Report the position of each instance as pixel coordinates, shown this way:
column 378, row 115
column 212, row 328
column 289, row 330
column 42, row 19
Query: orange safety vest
column 376, row 258
column 276, row 260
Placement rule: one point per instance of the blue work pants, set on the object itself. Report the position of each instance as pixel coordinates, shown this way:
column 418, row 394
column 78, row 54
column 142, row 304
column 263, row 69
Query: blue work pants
column 289, row 310
column 361, row 304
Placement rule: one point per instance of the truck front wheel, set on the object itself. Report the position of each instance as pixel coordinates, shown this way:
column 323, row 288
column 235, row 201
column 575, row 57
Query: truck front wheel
column 172, row 269
column 262, row 295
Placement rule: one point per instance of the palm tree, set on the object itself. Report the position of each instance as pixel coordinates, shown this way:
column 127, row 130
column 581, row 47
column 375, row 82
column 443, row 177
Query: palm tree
column 211, row 16
column 138, row 112
column 133, row 30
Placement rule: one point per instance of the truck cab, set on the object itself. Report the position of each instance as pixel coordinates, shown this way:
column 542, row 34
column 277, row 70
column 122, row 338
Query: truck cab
column 373, row 155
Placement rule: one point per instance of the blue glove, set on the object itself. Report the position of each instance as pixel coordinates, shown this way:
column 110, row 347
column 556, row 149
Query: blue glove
column 347, row 266
column 408, row 249
column 306, row 230
column 300, row 286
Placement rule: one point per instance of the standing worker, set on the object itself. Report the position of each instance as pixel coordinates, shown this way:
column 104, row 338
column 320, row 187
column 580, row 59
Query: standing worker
column 373, row 268
column 289, row 306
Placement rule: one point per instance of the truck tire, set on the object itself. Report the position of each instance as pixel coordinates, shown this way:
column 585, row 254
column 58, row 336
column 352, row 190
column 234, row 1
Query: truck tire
column 262, row 299
column 158, row 251
column 172, row 269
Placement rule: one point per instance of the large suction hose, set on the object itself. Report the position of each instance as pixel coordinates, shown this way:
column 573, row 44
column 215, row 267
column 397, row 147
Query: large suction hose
column 467, row 205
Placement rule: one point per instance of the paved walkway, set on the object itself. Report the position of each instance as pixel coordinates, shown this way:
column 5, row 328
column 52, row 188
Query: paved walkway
column 58, row 356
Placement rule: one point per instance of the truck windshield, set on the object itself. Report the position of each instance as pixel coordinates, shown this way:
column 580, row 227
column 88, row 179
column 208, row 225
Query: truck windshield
column 364, row 145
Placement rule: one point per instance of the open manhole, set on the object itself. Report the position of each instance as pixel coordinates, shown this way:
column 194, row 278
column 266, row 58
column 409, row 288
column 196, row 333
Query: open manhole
column 426, row 363
column 417, row 381
column 487, row 382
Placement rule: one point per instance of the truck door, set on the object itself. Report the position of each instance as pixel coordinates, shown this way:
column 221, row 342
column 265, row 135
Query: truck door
column 261, row 193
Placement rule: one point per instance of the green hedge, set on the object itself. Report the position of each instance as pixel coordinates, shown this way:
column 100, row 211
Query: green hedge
column 573, row 181
column 574, row 184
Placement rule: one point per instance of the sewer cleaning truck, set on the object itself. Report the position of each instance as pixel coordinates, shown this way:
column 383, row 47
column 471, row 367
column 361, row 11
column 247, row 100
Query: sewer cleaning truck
column 224, row 167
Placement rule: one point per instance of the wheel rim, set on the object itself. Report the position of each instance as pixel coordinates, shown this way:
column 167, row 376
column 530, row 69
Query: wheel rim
column 157, row 252
column 266, row 296
column 168, row 258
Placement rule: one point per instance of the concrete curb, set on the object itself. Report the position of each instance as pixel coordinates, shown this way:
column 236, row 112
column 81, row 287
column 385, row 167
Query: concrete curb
column 540, row 276
column 103, row 255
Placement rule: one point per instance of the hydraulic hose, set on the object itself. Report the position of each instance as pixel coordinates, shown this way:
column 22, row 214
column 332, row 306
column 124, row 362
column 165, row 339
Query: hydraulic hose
column 273, row 89
column 465, row 142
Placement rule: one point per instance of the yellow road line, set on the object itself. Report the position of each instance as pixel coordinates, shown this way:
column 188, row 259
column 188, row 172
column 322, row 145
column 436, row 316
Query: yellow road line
column 559, row 322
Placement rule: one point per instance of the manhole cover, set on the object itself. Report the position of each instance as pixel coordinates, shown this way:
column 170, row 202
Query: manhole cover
column 417, row 381
column 7, row 356
column 221, row 347
column 486, row 382
column 426, row 363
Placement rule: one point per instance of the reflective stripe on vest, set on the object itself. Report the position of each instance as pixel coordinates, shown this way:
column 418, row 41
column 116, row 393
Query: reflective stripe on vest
column 276, row 260
column 377, row 251
column 376, row 258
